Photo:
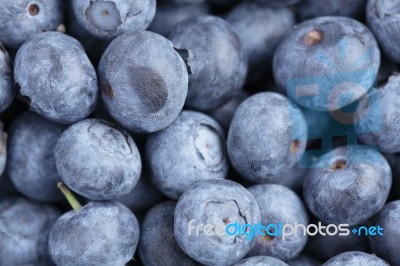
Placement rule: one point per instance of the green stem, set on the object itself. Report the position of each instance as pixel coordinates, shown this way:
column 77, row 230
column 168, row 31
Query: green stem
column 69, row 196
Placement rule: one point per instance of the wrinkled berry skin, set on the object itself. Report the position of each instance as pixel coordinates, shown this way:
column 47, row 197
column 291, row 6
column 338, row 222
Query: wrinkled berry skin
column 342, row 59
column 156, row 248
column 267, row 136
column 383, row 17
column 20, row 20
column 308, row 9
column 31, row 160
column 108, row 19
column 191, row 149
column 261, row 261
column 386, row 246
column 56, row 77
column 145, row 88
column 215, row 59
column 100, row 233
column 7, row 91
column 355, row 258
column 272, row 199
column 216, row 202
column 24, row 231
column 112, row 163
column 347, row 185
column 379, row 126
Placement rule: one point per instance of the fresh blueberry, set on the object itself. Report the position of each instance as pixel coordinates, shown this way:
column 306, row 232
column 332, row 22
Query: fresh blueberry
column 191, row 149
column 355, row 258
column 342, row 58
column 308, row 9
column 215, row 203
column 386, row 246
column 261, row 261
column 215, row 59
column 31, row 161
column 56, row 78
column 145, row 88
column 108, row 19
column 347, row 185
column 267, row 136
column 304, row 260
column 260, row 29
column 157, row 248
column 21, row 20
column 272, row 199
column 100, row 233
column 7, row 91
column 24, row 231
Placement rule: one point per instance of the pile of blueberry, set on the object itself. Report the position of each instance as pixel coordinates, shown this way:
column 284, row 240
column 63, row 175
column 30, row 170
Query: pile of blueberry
column 139, row 133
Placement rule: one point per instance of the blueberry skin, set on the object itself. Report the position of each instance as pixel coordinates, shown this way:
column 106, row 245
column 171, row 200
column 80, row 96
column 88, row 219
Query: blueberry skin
column 267, row 136
column 31, row 160
column 108, row 19
column 100, row 233
column 21, row 20
column 347, row 185
column 145, row 88
column 159, row 247
column 342, row 58
column 272, row 199
column 304, row 260
column 97, row 160
column 56, row 77
column 261, row 261
column 215, row 59
column 216, row 201
column 355, row 258
column 7, row 92
column 383, row 18
column 191, row 149
column 386, row 246
column 379, row 126
column 308, row 9
column 24, row 231
column 260, row 29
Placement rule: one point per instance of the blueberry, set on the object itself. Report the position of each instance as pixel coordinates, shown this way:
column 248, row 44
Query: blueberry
column 260, row 29
column 31, row 160
column 355, row 258
column 347, row 185
column 304, row 260
column 261, row 261
column 386, row 246
column 108, row 19
column 56, row 78
column 383, row 18
column 144, row 89
column 267, row 136
column 215, row 60
column 315, row 8
column 342, row 58
column 272, row 199
column 21, row 20
column 100, row 233
column 191, row 149
column 217, row 202
column 24, row 231
column 7, row 91
column 157, row 248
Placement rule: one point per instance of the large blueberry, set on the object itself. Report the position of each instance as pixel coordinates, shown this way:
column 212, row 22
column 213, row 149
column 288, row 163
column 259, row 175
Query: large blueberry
column 144, row 88
column 327, row 63
column 267, row 136
column 307, row 9
column 97, row 160
column 202, row 214
column 56, row 78
column 215, row 59
column 261, row 261
column 7, row 91
column 100, row 233
column 191, row 149
column 31, row 161
column 355, row 258
column 24, row 232
column 347, row 185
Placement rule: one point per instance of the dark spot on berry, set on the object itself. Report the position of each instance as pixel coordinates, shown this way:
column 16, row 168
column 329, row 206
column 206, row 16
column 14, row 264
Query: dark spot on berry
column 33, row 9
column 294, row 146
column 109, row 91
column 313, row 37
column 338, row 164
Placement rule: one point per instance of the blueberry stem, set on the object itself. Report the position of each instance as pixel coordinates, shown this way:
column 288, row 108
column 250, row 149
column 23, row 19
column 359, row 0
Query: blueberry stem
column 69, row 196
